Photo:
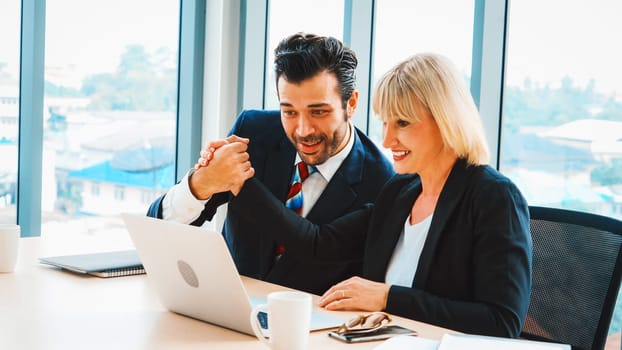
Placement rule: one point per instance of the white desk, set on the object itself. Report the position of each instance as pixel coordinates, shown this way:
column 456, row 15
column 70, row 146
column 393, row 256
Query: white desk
column 45, row 308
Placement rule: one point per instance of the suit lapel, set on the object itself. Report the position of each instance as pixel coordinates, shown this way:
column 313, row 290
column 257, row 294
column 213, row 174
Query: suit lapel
column 339, row 194
column 447, row 201
column 279, row 167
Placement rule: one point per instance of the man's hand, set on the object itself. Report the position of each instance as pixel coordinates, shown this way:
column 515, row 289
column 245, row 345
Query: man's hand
column 207, row 153
column 229, row 167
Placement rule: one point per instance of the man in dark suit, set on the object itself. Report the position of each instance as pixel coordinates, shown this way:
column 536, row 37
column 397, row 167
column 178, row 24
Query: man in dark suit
column 316, row 87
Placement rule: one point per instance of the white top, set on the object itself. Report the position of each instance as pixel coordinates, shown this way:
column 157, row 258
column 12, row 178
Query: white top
column 405, row 259
column 179, row 204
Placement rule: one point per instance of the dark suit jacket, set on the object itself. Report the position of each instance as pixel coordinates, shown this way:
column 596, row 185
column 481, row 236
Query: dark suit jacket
column 358, row 181
column 474, row 273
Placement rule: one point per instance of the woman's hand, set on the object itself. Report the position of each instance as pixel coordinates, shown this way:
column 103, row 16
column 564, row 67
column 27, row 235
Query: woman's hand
column 229, row 168
column 356, row 293
column 207, row 153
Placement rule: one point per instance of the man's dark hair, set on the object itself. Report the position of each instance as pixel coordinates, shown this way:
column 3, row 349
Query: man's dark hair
column 302, row 56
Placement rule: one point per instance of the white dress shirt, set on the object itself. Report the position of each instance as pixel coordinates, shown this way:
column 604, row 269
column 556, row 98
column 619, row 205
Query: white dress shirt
column 405, row 259
column 179, row 204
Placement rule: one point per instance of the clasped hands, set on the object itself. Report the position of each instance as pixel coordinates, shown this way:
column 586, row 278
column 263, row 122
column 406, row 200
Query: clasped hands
column 224, row 165
column 229, row 167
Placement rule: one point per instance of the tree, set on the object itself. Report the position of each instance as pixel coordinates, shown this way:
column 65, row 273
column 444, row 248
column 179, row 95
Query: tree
column 62, row 91
column 611, row 109
column 533, row 104
column 141, row 82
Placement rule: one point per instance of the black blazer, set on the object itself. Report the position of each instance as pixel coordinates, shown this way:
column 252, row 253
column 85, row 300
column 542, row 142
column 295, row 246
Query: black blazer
column 358, row 181
column 474, row 273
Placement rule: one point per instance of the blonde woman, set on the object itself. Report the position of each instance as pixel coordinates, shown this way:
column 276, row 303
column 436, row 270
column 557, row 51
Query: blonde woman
column 447, row 241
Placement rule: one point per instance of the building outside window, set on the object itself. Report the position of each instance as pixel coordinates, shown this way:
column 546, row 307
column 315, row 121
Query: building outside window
column 110, row 108
column 10, row 14
column 119, row 193
column 95, row 190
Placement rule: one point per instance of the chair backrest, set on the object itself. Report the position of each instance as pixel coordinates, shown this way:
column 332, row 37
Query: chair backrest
column 576, row 277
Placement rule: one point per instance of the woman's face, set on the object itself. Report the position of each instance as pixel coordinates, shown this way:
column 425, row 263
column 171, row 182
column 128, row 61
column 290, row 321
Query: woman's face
column 414, row 145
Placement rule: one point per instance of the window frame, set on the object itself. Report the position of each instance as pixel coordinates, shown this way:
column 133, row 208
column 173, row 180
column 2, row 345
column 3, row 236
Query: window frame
column 30, row 145
column 486, row 84
column 30, row 139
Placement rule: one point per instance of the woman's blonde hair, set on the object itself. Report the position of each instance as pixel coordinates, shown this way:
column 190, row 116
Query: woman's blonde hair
column 435, row 83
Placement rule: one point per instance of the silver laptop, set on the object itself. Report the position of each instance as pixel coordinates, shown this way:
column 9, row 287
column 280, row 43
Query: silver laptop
column 194, row 274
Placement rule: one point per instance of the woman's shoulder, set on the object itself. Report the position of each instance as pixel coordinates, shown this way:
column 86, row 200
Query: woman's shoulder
column 485, row 174
column 396, row 185
column 401, row 180
column 487, row 180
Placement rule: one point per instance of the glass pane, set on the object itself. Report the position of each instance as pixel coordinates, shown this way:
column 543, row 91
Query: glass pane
column 110, row 110
column 562, row 117
column 10, row 14
column 322, row 17
column 404, row 28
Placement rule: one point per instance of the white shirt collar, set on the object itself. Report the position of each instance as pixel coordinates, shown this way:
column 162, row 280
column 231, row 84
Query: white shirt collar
column 330, row 166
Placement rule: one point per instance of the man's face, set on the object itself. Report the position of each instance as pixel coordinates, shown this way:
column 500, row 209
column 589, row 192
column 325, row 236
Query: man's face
column 313, row 118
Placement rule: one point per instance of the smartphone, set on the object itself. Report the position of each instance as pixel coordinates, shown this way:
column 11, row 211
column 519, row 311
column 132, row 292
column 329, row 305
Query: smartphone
column 379, row 334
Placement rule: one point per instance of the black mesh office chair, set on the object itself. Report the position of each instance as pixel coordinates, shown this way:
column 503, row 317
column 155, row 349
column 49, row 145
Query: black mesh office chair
column 576, row 277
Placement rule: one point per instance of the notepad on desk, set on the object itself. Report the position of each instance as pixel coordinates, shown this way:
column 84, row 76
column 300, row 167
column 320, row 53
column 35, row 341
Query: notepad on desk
column 479, row 342
column 467, row 342
column 105, row 264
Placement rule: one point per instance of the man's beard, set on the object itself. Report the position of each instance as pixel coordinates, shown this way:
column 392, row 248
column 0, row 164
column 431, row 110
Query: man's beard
column 329, row 148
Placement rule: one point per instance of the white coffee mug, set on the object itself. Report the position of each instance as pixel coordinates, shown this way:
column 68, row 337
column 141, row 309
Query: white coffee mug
column 289, row 320
column 9, row 245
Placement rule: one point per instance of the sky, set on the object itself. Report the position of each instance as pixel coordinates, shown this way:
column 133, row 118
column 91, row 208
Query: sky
column 441, row 26
column 86, row 36
column 553, row 38
column 548, row 39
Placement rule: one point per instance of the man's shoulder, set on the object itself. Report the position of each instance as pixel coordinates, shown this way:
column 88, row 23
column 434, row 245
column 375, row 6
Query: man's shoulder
column 260, row 116
column 372, row 153
column 366, row 166
column 254, row 123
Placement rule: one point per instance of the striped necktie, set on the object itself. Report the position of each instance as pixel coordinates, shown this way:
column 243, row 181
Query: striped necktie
column 294, row 196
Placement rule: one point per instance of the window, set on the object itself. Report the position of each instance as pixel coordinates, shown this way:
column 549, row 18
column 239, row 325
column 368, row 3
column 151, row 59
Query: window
column 10, row 14
column 95, row 189
column 322, row 17
column 562, row 117
column 119, row 193
column 110, row 106
column 561, row 140
column 404, row 28
column 147, row 197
